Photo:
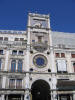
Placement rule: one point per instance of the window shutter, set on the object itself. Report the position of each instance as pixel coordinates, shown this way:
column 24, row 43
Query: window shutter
column 61, row 64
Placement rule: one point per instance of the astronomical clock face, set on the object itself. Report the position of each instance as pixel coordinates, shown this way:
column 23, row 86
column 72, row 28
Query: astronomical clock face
column 40, row 61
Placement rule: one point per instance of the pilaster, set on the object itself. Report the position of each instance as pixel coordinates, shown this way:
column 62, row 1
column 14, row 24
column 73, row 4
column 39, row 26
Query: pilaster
column 2, row 97
column 4, row 82
column 52, row 60
column 69, row 67
column 73, row 96
column 54, row 92
column 6, row 60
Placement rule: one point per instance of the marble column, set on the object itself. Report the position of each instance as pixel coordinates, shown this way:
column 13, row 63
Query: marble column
column 3, row 98
column 21, row 97
column 6, row 60
column 54, row 92
column 6, row 97
column 4, row 82
column 74, row 96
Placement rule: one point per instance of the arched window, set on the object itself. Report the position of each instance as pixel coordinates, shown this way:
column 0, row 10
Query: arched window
column 13, row 65
column 20, row 64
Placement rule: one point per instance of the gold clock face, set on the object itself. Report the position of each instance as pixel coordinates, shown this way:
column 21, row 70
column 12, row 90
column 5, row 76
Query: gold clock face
column 40, row 61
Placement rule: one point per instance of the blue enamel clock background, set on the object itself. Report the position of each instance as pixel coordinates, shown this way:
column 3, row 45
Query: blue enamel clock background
column 40, row 61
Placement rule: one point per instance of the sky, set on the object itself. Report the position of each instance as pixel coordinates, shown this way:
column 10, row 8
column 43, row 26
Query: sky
column 14, row 13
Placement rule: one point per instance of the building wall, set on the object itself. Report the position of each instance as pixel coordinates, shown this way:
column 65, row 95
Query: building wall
column 37, row 42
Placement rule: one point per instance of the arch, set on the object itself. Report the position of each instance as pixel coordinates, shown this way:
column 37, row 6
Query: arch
column 40, row 90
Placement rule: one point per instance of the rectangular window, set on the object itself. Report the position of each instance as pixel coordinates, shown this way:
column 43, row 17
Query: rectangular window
column 20, row 52
column 1, row 38
column 12, row 83
column 73, row 55
column 1, row 52
column 39, row 38
column 14, row 52
column 16, row 39
column 57, row 55
column 21, row 39
column 5, row 38
column 61, row 66
column 63, row 55
column 19, row 83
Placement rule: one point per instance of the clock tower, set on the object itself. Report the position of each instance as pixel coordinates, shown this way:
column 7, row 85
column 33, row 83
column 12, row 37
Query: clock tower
column 39, row 41
column 39, row 56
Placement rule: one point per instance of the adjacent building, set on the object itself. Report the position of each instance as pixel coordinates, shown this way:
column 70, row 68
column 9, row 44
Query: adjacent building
column 37, row 64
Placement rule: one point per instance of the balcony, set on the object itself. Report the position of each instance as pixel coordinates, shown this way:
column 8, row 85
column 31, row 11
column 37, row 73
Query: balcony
column 15, row 84
column 16, row 71
column 11, row 86
column 40, row 46
column 67, row 76
column 66, row 85
column 15, row 87
column 19, row 87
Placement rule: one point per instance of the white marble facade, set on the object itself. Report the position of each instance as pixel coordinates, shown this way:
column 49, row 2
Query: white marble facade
column 37, row 64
